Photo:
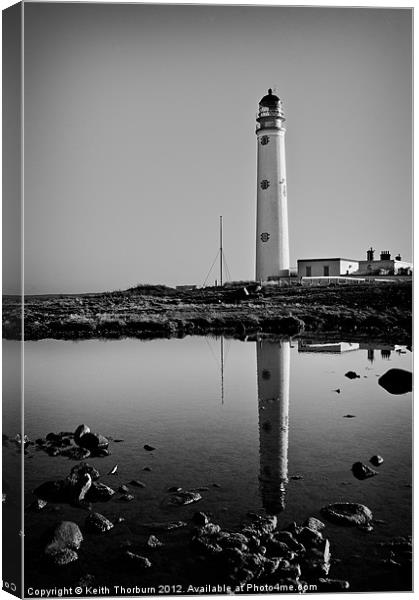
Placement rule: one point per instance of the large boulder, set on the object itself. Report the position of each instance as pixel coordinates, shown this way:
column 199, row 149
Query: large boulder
column 348, row 513
column 396, row 381
column 65, row 540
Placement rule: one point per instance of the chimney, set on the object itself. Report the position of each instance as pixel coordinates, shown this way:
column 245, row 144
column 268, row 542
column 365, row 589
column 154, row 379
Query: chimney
column 370, row 254
column 398, row 257
column 385, row 255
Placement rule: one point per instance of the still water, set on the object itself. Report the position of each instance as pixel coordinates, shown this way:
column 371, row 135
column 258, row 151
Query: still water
column 260, row 420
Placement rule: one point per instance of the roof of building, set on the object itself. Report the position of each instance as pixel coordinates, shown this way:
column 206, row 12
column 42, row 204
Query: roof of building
column 270, row 99
column 323, row 259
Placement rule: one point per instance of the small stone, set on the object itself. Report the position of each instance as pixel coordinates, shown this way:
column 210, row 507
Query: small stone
column 126, row 498
column 141, row 562
column 76, row 453
column 332, row 585
column 38, row 504
column 297, row 477
column 361, row 471
column 376, row 460
column 153, row 542
column 93, row 441
column 314, row 523
column 148, row 448
column 63, row 557
column 137, row 483
column 86, row 580
column 80, row 431
column 352, row 375
column 98, row 523
column 349, row 416
column 147, row 469
column 123, row 489
column 200, row 519
column 99, row 492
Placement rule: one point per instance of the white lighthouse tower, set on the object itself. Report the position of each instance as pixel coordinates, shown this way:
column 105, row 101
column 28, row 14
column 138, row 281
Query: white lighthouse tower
column 272, row 246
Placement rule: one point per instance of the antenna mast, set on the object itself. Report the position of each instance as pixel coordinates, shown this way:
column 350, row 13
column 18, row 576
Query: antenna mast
column 221, row 251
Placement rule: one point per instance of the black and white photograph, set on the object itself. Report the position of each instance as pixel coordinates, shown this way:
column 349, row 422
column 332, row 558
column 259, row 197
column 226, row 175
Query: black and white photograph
column 207, row 299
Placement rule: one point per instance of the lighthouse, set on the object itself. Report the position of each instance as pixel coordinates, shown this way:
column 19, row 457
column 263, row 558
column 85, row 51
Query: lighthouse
column 272, row 246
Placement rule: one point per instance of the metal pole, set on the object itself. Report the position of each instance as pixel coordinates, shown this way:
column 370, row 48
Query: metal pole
column 221, row 251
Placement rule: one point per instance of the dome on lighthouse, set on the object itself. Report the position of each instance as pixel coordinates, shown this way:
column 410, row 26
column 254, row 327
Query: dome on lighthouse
column 270, row 100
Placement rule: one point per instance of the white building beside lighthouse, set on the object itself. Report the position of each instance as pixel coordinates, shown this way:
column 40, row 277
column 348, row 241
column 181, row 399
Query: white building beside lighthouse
column 272, row 246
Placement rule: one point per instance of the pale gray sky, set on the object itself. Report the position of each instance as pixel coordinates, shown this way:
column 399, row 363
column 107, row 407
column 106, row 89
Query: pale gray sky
column 139, row 133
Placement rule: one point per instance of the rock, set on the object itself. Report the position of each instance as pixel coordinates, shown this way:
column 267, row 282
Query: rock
column 123, row 489
column 349, row 416
column 93, row 441
column 52, row 450
column 332, row 585
column 289, row 540
column 99, row 492
column 80, row 431
column 376, row 460
column 174, row 489
column 314, row 523
column 159, row 526
column 310, row 537
column 348, row 513
column 63, row 557
column 148, row 448
column 200, row 519
column 182, row 498
column 361, row 471
column 317, row 561
column 101, row 452
column 206, row 545
column 141, row 562
column 86, row 580
column 137, row 483
column 296, row 477
column 52, row 491
column 80, row 469
column 153, row 542
column 118, row 441
column 126, row 498
column 147, row 469
column 76, row 453
column 261, row 524
column 40, row 442
column 352, row 375
column 53, row 437
column 98, row 523
column 210, row 529
column 65, row 540
column 38, row 505
column 396, row 381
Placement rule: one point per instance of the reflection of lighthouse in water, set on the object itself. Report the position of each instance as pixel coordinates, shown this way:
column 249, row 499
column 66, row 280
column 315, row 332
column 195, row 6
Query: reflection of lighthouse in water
column 273, row 364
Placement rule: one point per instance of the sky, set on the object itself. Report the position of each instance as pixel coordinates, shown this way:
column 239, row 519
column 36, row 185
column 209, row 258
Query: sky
column 139, row 132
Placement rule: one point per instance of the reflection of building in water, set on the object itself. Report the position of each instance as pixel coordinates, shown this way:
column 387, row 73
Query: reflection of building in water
column 330, row 348
column 385, row 353
column 370, row 354
column 273, row 365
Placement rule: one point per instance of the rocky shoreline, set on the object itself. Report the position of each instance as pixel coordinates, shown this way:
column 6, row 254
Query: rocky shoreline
column 261, row 555
column 381, row 312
